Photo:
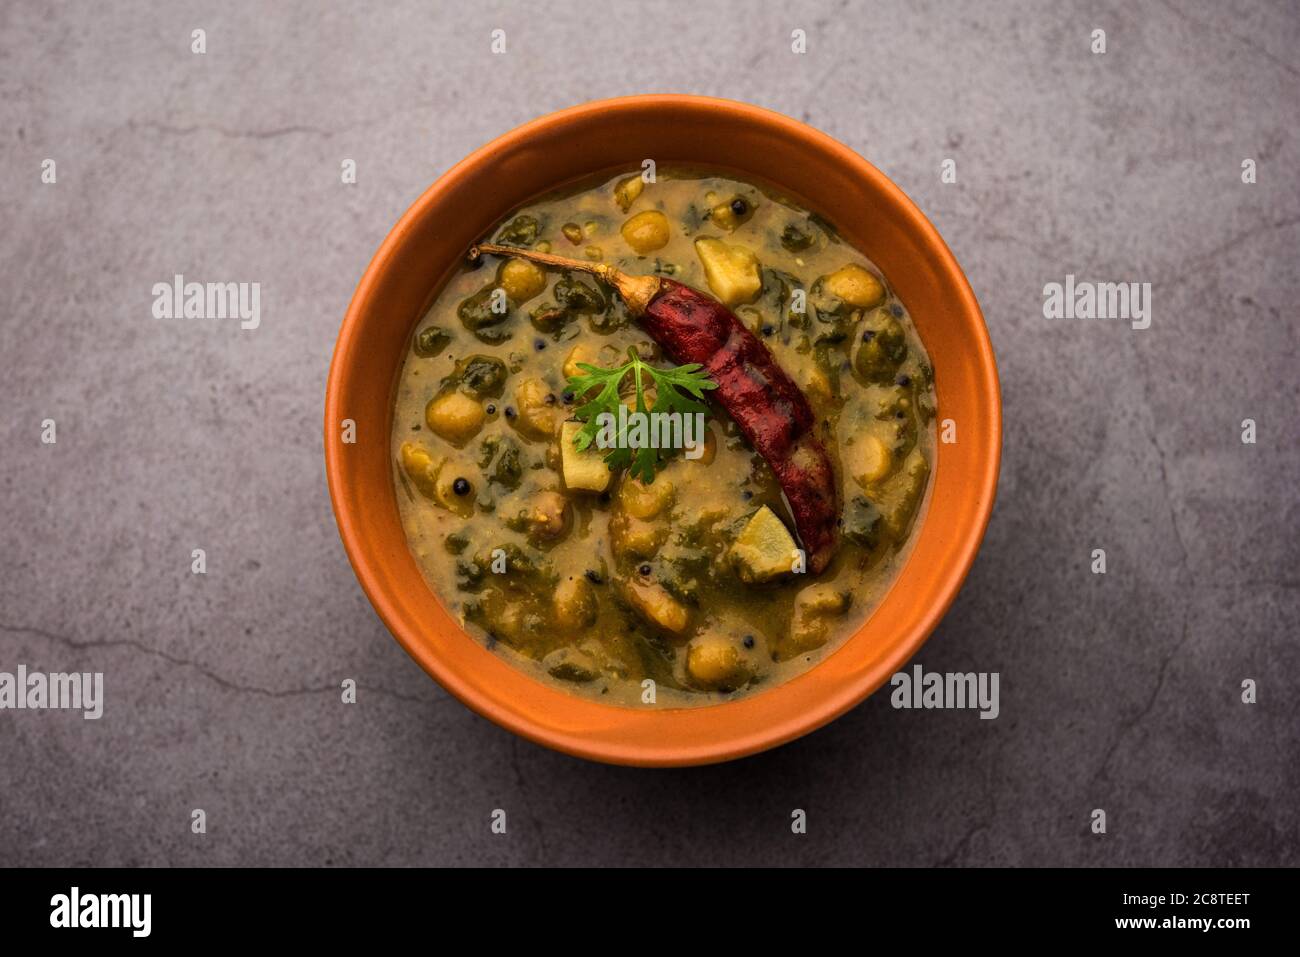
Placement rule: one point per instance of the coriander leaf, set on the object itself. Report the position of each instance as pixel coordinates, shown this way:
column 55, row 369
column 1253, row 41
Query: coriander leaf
column 676, row 390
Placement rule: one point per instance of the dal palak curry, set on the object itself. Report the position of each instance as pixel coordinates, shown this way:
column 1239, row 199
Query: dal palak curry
column 548, row 519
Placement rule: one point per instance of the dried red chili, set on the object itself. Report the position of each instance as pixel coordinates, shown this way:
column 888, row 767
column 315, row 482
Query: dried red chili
column 771, row 411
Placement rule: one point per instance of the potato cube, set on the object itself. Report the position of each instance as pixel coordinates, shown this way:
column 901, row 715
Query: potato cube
column 583, row 469
column 764, row 549
column 732, row 271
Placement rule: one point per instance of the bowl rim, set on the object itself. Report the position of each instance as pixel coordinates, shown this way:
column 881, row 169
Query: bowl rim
column 961, row 556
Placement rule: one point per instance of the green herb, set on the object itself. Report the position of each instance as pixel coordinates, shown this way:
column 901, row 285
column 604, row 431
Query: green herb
column 676, row 390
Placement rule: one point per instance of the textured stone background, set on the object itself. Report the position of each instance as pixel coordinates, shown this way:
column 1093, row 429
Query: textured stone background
column 1118, row 692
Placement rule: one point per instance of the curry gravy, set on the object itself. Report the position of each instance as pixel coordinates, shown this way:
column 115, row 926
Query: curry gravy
column 596, row 591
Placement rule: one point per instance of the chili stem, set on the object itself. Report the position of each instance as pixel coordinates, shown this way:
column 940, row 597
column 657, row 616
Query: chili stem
column 548, row 259
column 637, row 291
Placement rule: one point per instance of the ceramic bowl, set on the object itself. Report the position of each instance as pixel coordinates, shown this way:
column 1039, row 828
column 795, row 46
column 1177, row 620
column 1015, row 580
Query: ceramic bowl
column 431, row 240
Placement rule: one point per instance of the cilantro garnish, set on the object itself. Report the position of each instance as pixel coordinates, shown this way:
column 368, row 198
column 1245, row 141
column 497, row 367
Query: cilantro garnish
column 676, row 390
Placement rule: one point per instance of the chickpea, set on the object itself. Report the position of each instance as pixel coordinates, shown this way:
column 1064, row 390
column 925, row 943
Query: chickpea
column 871, row 459
column 634, row 536
column 713, row 661
column 658, row 607
column 455, row 492
column 823, row 600
column 521, row 280
column 645, row 232
column 537, row 416
column 731, row 213
column 856, row 286
column 816, row 385
column 420, row 468
column 553, row 457
column 436, row 481
column 814, row 606
column 627, row 190
column 582, row 352
column 808, row 632
column 645, row 501
column 508, row 622
column 548, row 517
column 574, row 604
column 710, row 450
column 454, row 416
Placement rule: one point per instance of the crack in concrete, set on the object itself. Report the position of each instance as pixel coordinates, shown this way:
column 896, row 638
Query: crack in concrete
column 212, row 676
column 533, row 820
column 268, row 134
column 989, row 818
column 984, row 824
column 351, row 125
column 1153, row 435
column 1034, row 245
column 951, row 858
column 1283, row 583
column 1129, row 724
column 1272, row 58
column 1184, row 566
column 1194, row 261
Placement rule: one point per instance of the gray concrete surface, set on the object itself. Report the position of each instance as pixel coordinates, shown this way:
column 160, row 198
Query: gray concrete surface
column 1119, row 692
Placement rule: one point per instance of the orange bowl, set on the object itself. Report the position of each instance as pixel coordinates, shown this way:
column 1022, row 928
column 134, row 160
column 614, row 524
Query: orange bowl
column 431, row 240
